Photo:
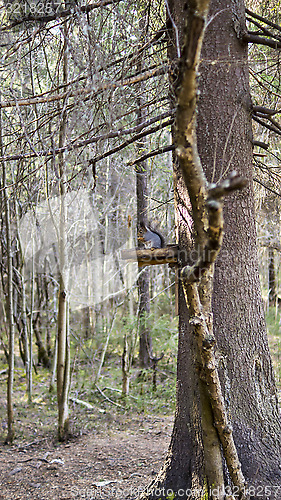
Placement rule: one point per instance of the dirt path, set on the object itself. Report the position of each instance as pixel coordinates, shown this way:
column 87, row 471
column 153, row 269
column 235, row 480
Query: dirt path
column 112, row 464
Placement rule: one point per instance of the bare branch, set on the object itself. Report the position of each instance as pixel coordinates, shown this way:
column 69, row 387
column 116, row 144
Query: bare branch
column 156, row 152
column 132, row 140
column 268, row 188
column 260, row 144
column 216, row 193
column 263, row 19
column 263, row 85
column 265, row 111
column 60, row 14
column 89, row 90
column 110, row 135
column 266, row 125
column 257, row 39
column 264, row 30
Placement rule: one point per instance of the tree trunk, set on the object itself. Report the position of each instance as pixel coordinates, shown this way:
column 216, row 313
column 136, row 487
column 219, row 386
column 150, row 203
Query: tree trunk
column 24, row 335
column 30, row 340
column 9, row 297
column 63, row 354
column 145, row 341
column 224, row 141
column 145, row 345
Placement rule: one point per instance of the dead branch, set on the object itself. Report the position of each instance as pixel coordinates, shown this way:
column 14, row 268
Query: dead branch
column 216, row 193
column 260, row 40
column 148, row 257
column 263, row 19
column 60, row 14
column 263, row 85
column 132, row 140
column 260, row 144
column 268, row 188
column 108, row 399
column 89, row 90
column 110, row 135
column 264, row 30
column 156, row 152
column 273, row 128
column 209, row 375
column 265, row 111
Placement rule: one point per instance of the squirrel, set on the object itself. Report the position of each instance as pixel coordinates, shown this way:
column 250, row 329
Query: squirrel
column 149, row 237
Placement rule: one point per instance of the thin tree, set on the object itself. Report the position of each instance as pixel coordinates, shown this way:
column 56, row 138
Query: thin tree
column 9, row 297
column 145, row 340
column 63, row 348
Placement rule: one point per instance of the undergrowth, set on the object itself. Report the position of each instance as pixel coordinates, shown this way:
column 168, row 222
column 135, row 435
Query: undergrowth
column 98, row 406
column 93, row 406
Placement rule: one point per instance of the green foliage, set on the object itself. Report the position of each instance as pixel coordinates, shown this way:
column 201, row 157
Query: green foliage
column 171, row 496
column 39, row 419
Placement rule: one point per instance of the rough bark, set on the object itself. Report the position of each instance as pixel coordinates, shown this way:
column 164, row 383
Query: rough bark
column 224, row 141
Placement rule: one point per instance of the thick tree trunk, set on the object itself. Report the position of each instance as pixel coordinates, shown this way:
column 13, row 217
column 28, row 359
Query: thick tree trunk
column 224, row 141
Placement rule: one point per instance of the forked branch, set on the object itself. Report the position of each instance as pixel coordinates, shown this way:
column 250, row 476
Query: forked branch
column 206, row 201
column 214, row 204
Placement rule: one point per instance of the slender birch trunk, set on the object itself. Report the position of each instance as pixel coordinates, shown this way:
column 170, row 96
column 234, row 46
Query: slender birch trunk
column 29, row 385
column 10, row 312
column 128, row 337
column 27, row 365
column 63, row 353
column 10, row 410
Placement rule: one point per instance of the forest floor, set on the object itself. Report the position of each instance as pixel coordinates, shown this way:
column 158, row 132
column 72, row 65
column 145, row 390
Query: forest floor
column 114, row 460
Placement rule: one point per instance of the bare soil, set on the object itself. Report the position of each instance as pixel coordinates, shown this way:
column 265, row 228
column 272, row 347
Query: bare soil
column 113, row 461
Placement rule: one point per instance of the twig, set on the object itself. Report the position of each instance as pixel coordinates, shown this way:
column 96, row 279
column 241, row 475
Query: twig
column 267, row 187
column 216, row 193
column 152, row 153
column 89, row 90
column 108, row 399
column 32, row 443
column 59, row 14
column 132, row 140
column 259, row 40
column 118, row 390
column 110, row 135
column 263, row 85
column 266, row 125
column 264, row 30
column 263, row 19
column 260, row 144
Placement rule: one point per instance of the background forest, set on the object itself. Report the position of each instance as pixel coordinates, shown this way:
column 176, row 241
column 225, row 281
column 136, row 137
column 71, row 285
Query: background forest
column 86, row 151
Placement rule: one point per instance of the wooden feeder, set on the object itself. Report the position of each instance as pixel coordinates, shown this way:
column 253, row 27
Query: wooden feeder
column 152, row 257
